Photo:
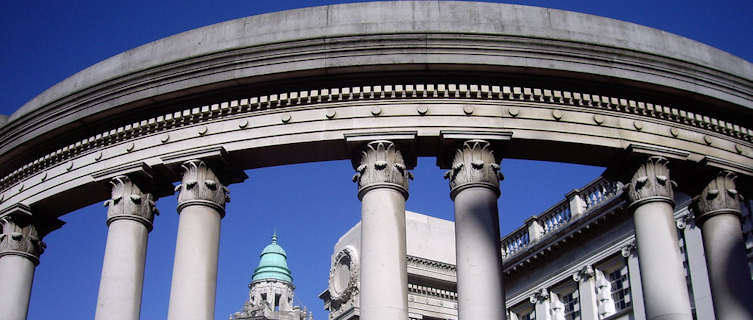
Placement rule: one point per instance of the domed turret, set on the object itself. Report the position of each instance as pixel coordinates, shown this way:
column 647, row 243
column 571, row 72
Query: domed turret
column 273, row 264
column 270, row 295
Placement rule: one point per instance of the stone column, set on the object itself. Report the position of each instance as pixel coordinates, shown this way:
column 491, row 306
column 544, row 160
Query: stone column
column 474, row 187
column 20, row 247
column 129, row 219
column 718, row 214
column 201, row 205
column 540, row 301
column 587, row 290
column 382, row 179
column 634, row 274
column 652, row 201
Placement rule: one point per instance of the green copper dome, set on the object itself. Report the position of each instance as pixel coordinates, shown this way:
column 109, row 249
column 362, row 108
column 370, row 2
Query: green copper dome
column 273, row 263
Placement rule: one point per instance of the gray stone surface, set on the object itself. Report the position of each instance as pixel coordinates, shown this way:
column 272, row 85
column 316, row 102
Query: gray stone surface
column 17, row 273
column 120, row 288
column 676, row 62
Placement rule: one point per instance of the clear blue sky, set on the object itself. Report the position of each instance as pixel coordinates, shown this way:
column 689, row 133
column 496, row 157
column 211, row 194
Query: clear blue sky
column 310, row 205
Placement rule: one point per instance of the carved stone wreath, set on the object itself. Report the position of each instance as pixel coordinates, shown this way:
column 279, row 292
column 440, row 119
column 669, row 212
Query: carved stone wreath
column 343, row 275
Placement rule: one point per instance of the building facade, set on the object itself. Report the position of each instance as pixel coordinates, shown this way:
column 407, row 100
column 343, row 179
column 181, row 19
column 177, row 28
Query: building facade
column 576, row 260
column 271, row 290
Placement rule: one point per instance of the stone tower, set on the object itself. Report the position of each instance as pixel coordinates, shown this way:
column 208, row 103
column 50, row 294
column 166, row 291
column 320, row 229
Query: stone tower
column 271, row 289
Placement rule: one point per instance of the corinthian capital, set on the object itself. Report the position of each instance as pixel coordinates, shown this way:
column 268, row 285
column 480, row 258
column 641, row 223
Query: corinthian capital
column 200, row 185
column 719, row 196
column 130, row 203
column 22, row 233
column 474, row 165
column 651, row 183
column 382, row 166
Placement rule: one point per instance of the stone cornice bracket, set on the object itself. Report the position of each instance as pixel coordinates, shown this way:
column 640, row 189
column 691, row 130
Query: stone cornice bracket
column 629, row 249
column 382, row 166
column 22, row 233
column 583, row 274
column 474, row 165
column 201, row 186
column 129, row 202
column 651, row 183
column 719, row 196
column 540, row 295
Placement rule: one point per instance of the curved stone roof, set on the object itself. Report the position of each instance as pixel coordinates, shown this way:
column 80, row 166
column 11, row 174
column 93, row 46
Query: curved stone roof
column 273, row 264
column 318, row 23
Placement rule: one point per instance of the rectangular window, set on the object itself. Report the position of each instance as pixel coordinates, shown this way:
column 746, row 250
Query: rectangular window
column 572, row 305
column 620, row 288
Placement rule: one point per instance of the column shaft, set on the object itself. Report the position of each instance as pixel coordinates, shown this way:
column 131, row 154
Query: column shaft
column 20, row 248
column 479, row 259
column 384, row 277
column 589, row 310
column 382, row 179
column 120, row 287
column 718, row 214
column 129, row 218
column 704, row 307
column 474, row 187
column 636, row 288
column 663, row 282
column 194, row 283
column 664, row 290
column 731, row 287
column 201, row 205
column 17, row 274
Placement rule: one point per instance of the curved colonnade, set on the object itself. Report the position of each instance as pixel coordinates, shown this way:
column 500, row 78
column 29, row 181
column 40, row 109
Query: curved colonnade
column 382, row 83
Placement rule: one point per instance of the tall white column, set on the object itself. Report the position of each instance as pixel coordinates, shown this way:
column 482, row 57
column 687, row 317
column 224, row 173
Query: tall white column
column 201, row 205
column 474, row 187
column 652, row 201
column 718, row 214
column 20, row 247
column 587, row 292
column 129, row 218
column 382, row 179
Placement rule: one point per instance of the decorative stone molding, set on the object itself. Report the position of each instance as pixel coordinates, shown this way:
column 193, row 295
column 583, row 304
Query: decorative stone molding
column 201, row 186
column 344, row 276
column 651, row 183
column 585, row 273
column 629, row 249
column 382, row 166
column 604, row 299
column 427, row 264
column 556, row 308
column 22, row 233
column 474, row 165
column 167, row 122
column 128, row 202
column 538, row 296
column 719, row 196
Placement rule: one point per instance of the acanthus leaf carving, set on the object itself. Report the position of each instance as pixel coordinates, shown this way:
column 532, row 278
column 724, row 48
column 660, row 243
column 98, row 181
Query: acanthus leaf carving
column 139, row 206
column 201, row 185
column 21, row 236
column 382, row 164
column 651, row 182
column 474, row 164
column 712, row 201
